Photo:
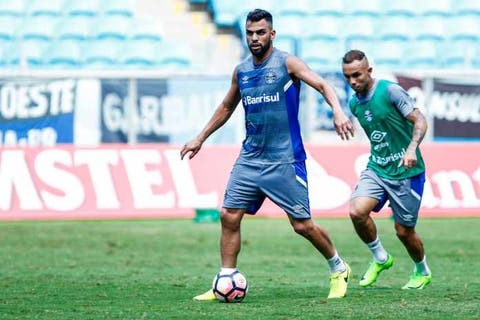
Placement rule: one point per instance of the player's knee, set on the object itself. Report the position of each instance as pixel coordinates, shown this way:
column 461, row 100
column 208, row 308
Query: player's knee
column 404, row 233
column 356, row 215
column 303, row 228
column 229, row 220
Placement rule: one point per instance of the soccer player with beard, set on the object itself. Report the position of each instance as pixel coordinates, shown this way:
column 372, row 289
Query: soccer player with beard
column 272, row 158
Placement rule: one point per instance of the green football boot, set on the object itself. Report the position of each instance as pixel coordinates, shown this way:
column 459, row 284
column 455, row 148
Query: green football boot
column 371, row 275
column 417, row 281
column 339, row 283
column 206, row 296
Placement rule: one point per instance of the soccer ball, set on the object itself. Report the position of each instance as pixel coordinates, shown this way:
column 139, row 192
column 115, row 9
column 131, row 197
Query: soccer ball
column 230, row 287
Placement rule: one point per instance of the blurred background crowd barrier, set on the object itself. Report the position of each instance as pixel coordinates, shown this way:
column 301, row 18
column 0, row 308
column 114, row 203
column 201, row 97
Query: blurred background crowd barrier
column 111, row 75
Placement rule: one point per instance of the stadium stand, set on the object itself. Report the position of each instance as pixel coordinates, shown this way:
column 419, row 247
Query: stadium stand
column 467, row 7
column 52, row 8
column 286, row 44
column 467, row 27
column 75, row 28
column 39, row 27
column 147, row 28
column 89, row 8
column 372, row 8
column 175, row 56
column 400, row 27
column 321, row 54
column 8, row 27
column 225, row 13
column 423, row 54
column 12, row 8
column 429, row 27
column 102, row 53
column 214, row 31
column 389, row 53
column 404, row 7
column 460, row 54
column 140, row 54
column 336, row 8
column 438, row 7
column 298, row 8
column 124, row 8
column 65, row 53
column 418, row 28
column 113, row 27
column 331, row 27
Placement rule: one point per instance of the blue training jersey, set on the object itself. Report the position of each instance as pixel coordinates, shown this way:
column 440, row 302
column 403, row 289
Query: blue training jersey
column 271, row 101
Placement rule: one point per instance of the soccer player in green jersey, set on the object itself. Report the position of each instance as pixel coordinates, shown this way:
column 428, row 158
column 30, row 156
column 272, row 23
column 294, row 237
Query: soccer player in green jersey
column 395, row 170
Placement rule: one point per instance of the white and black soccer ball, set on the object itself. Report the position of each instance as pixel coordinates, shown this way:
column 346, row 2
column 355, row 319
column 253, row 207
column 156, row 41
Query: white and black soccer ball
column 230, row 287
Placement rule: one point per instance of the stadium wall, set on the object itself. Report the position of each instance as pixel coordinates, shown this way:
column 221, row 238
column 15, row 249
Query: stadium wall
column 87, row 144
column 150, row 181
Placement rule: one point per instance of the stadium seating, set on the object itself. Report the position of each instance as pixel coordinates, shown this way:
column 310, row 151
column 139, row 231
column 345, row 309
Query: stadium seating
column 359, row 27
column 28, row 53
column 321, row 54
column 360, row 24
column 476, row 57
column 285, row 44
column 336, row 8
column 12, row 8
column 124, row 8
column 270, row 5
column 39, row 27
column 175, row 56
column 140, row 53
column 429, row 27
column 289, row 27
column 45, row 8
column 89, row 8
column 423, row 54
column 372, row 8
column 467, row 7
column 147, row 29
column 459, row 54
column 64, row 54
column 298, row 8
column 389, row 54
column 397, row 27
column 76, row 28
column 102, row 53
column 113, row 27
column 329, row 27
column 467, row 27
column 225, row 13
column 8, row 27
column 403, row 7
column 438, row 7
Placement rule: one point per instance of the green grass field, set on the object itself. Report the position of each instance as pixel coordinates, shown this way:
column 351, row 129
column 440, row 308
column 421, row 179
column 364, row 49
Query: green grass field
column 151, row 269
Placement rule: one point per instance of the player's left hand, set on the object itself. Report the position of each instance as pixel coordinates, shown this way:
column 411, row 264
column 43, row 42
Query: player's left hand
column 193, row 147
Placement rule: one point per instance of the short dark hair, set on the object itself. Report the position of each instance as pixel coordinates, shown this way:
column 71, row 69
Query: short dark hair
column 259, row 14
column 353, row 55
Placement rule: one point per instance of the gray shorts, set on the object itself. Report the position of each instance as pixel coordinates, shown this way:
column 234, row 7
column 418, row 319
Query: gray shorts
column 284, row 184
column 405, row 195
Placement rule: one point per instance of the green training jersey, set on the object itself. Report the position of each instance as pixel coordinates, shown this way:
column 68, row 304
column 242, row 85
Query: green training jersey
column 382, row 115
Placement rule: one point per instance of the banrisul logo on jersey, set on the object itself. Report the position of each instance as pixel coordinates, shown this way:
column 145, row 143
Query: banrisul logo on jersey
column 265, row 98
